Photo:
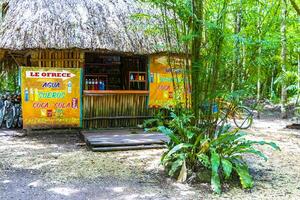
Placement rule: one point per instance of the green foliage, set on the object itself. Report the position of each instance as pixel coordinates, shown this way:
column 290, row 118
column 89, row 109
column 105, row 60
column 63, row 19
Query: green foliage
column 215, row 165
column 161, row 118
column 9, row 79
column 221, row 154
column 240, row 45
column 236, row 52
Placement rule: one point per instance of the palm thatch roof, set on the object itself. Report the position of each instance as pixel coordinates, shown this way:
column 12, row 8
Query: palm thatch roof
column 84, row 24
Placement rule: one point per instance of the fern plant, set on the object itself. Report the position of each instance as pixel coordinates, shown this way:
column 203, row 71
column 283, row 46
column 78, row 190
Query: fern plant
column 190, row 149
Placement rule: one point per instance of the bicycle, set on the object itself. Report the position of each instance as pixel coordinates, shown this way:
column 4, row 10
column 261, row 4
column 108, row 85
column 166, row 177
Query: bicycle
column 18, row 121
column 7, row 112
column 242, row 116
column 1, row 110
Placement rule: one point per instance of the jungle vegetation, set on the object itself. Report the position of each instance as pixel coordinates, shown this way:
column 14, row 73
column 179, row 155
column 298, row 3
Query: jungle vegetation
column 237, row 48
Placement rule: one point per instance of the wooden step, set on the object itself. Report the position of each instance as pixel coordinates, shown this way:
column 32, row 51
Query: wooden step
column 112, row 144
column 125, row 140
column 126, row 148
column 112, row 137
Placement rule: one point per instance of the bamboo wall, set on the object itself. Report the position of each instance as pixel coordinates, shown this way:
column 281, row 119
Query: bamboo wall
column 114, row 110
column 57, row 58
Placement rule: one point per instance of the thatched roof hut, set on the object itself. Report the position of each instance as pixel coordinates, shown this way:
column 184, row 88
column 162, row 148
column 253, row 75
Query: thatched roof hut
column 81, row 24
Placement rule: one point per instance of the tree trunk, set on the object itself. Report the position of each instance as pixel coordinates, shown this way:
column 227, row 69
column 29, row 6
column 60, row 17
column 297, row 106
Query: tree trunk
column 258, row 83
column 272, row 84
column 298, row 81
column 283, row 57
column 244, row 57
column 259, row 24
column 197, row 63
column 237, row 49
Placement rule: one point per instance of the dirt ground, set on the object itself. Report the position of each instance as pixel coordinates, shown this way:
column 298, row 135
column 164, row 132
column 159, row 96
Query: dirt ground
column 54, row 166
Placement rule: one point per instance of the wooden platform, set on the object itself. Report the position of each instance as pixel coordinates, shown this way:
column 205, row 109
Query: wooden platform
column 117, row 140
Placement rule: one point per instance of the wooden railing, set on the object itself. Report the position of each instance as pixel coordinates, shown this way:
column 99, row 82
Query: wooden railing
column 122, row 108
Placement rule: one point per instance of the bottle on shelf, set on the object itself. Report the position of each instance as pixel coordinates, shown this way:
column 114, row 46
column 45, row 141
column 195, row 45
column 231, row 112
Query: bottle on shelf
column 90, row 83
column 93, row 84
column 86, row 87
column 96, row 85
column 100, row 85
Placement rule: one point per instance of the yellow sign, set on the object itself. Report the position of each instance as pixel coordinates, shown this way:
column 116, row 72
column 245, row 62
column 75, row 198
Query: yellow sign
column 51, row 97
column 163, row 77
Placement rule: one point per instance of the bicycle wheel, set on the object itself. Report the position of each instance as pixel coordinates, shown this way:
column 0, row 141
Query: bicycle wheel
column 243, row 117
column 1, row 116
column 20, row 119
column 10, row 117
column 20, row 122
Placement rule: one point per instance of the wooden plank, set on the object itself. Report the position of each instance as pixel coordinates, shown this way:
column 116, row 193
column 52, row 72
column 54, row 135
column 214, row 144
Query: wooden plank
column 127, row 148
column 113, row 144
column 127, row 137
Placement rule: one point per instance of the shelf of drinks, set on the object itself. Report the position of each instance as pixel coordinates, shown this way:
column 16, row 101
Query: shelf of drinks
column 136, row 76
column 95, row 82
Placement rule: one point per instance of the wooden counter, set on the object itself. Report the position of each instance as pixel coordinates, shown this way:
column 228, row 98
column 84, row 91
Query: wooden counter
column 97, row 92
column 114, row 108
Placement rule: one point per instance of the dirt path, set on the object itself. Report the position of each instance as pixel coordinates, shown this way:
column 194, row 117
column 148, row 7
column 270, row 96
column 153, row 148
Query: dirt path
column 52, row 166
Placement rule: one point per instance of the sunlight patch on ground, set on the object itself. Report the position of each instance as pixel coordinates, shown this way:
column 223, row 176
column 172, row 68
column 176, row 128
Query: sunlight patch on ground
column 118, row 189
column 37, row 183
column 6, row 181
column 64, row 191
column 130, row 197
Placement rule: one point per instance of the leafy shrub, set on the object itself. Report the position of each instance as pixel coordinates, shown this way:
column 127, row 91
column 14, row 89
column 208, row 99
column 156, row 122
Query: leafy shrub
column 161, row 118
column 190, row 149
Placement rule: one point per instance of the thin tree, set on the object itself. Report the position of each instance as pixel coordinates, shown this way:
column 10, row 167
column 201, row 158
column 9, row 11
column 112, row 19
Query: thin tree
column 283, row 57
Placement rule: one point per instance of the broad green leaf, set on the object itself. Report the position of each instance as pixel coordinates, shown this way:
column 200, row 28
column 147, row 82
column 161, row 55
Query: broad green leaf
column 215, row 178
column 189, row 134
column 205, row 146
column 255, row 152
column 272, row 144
column 227, row 138
column 177, row 148
column 169, row 133
column 199, row 140
column 176, row 165
column 243, row 172
column 204, row 160
column 227, row 167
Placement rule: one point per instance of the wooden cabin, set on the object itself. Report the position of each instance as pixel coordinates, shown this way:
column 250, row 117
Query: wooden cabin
column 98, row 36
